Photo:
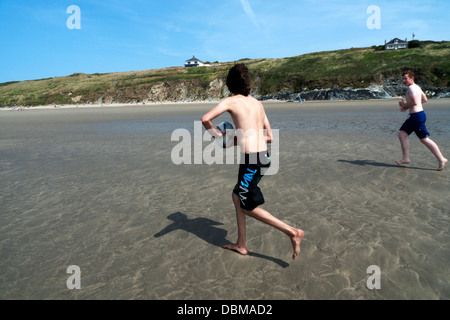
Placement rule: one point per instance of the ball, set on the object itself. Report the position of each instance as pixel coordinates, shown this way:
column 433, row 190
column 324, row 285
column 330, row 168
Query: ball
column 227, row 140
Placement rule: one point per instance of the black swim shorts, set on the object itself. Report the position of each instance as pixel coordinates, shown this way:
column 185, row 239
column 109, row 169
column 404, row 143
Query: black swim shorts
column 251, row 169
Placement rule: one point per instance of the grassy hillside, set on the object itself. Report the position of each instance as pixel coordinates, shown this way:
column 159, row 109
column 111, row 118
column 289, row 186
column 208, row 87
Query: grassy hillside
column 64, row 90
column 356, row 67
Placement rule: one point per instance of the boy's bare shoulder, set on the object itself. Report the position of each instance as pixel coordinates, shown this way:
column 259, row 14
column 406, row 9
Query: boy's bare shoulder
column 226, row 104
column 233, row 103
column 415, row 89
column 229, row 100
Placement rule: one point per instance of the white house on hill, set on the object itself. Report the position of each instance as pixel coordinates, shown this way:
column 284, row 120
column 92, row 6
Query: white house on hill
column 395, row 44
column 193, row 62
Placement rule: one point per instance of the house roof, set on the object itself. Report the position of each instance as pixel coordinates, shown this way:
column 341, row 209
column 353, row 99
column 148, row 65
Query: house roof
column 193, row 59
column 398, row 40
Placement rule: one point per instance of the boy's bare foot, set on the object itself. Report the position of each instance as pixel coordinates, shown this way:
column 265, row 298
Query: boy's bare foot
column 402, row 162
column 296, row 239
column 442, row 165
column 236, row 248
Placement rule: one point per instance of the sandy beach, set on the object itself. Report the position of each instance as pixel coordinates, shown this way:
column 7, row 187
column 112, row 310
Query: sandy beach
column 97, row 188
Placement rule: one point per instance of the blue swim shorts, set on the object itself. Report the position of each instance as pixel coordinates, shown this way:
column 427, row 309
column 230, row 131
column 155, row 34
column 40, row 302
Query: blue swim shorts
column 416, row 123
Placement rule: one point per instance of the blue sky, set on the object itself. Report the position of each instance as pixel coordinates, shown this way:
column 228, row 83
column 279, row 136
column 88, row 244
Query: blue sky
column 131, row 35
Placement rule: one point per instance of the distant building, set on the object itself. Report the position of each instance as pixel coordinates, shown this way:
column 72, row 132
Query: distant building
column 395, row 44
column 193, row 62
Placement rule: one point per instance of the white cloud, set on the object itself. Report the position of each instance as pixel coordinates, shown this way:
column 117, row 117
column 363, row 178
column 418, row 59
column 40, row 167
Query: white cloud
column 248, row 10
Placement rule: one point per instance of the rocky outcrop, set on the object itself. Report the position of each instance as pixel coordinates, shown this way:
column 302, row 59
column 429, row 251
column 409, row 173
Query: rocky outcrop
column 166, row 91
column 372, row 92
column 196, row 90
column 391, row 88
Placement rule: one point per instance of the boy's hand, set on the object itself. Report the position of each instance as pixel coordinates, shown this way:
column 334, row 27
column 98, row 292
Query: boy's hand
column 402, row 105
column 222, row 132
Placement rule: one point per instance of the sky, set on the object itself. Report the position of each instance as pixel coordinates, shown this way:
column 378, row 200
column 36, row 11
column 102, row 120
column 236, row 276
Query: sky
column 49, row 38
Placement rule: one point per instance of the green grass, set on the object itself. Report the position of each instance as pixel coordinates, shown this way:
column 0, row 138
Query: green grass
column 356, row 67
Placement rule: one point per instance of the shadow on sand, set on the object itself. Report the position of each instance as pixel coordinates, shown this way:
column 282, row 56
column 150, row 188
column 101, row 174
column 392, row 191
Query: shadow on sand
column 380, row 164
column 206, row 230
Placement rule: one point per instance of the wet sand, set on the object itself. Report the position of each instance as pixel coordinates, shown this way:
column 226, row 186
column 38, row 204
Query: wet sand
column 97, row 188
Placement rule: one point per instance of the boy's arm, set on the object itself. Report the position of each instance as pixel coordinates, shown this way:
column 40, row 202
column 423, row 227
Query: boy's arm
column 267, row 130
column 424, row 97
column 209, row 116
column 404, row 106
column 412, row 99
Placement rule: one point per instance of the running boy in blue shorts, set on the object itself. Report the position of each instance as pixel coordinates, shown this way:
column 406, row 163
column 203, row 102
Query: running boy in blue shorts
column 249, row 116
column 416, row 121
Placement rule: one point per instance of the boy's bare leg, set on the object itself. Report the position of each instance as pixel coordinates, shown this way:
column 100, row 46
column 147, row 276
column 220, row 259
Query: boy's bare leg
column 403, row 137
column 240, row 245
column 295, row 235
column 433, row 147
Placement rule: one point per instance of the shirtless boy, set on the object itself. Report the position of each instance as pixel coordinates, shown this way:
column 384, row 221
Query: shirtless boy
column 249, row 117
column 416, row 121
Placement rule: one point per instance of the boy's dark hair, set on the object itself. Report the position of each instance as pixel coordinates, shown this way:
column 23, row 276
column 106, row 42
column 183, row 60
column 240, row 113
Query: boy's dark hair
column 238, row 80
column 409, row 72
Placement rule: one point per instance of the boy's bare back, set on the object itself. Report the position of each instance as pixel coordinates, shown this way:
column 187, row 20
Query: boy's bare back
column 252, row 126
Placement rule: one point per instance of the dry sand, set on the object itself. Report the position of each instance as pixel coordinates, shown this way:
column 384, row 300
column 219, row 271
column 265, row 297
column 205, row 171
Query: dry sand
column 96, row 188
